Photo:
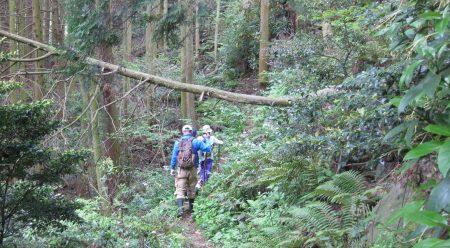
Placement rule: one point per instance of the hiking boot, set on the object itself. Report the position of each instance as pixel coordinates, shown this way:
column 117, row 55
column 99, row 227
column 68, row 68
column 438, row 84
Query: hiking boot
column 180, row 211
column 191, row 205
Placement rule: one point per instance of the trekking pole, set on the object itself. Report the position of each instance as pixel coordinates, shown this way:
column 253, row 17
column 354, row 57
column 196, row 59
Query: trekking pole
column 218, row 168
column 204, row 169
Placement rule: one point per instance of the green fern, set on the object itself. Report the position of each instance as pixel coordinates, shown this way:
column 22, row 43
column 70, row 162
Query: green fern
column 336, row 213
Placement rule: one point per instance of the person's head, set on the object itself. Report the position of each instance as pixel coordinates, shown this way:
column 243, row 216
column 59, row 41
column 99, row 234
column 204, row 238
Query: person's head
column 206, row 130
column 187, row 129
column 194, row 132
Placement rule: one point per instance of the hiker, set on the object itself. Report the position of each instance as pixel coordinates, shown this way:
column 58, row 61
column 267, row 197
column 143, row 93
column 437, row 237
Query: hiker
column 206, row 158
column 183, row 157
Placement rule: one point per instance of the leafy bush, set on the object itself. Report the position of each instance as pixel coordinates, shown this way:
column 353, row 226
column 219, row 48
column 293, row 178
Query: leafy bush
column 145, row 216
column 30, row 172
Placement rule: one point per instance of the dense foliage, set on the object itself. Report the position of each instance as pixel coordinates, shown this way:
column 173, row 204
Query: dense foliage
column 30, row 172
column 371, row 129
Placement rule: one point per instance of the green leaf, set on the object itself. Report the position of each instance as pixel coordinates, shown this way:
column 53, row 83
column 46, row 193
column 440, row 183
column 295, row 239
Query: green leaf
column 429, row 218
column 431, row 15
column 433, row 243
column 410, row 132
column 394, row 132
column 428, row 51
column 438, row 129
column 439, row 199
column 427, row 86
column 444, row 158
column 430, row 184
column 408, row 72
column 442, row 49
column 441, row 26
column 423, row 149
column 408, row 164
column 408, row 209
column 395, row 101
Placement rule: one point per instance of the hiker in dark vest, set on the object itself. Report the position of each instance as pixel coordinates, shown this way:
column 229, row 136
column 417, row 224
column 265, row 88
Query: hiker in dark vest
column 183, row 157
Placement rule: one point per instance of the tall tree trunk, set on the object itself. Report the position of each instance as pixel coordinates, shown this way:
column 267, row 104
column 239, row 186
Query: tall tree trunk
column 197, row 29
column 263, row 44
column 216, row 29
column 89, row 91
column 128, row 33
column 150, row 54
column 150, row 44
column 112, row 146
column 183, row 99
column 57, row 38
column 160, row 13
column 26, row 16
column 37, row 31
column 57, row 22
column 190, row 105
column 46, row 21
column 165, row 10
column 13, row 44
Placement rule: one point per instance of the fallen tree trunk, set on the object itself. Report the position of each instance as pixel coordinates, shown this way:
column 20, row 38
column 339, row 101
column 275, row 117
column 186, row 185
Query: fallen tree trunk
column 152, row 79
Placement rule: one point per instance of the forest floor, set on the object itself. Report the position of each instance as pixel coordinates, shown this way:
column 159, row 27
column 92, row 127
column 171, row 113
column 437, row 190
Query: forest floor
column 193, row 235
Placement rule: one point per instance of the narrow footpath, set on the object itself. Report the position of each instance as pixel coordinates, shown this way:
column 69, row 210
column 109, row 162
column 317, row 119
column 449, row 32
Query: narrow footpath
column 193, row 235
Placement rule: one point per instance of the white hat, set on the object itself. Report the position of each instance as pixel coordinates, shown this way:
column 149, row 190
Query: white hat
column 187, row 128
column 206, row 129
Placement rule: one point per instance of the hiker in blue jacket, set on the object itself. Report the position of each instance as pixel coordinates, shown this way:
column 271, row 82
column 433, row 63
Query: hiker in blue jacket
column 186, row 175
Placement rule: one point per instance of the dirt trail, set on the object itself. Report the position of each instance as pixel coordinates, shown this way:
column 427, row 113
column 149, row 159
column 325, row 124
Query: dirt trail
column 193, row 235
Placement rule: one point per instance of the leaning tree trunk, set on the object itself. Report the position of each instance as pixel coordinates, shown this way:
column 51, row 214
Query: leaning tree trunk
column 263, row 44
column 164, row 82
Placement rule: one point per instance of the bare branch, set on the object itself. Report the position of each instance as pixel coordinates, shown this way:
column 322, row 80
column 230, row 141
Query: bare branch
column 32, row 59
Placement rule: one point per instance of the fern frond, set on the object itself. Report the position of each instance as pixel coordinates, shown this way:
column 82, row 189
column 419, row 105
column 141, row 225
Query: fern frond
column 316, row 216
column 342, row 198
column 350, row 182
column 325, row 192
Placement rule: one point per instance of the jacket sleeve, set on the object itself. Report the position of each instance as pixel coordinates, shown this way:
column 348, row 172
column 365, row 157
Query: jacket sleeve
column 217, row 141
column 202, row 146
column 173, row 161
